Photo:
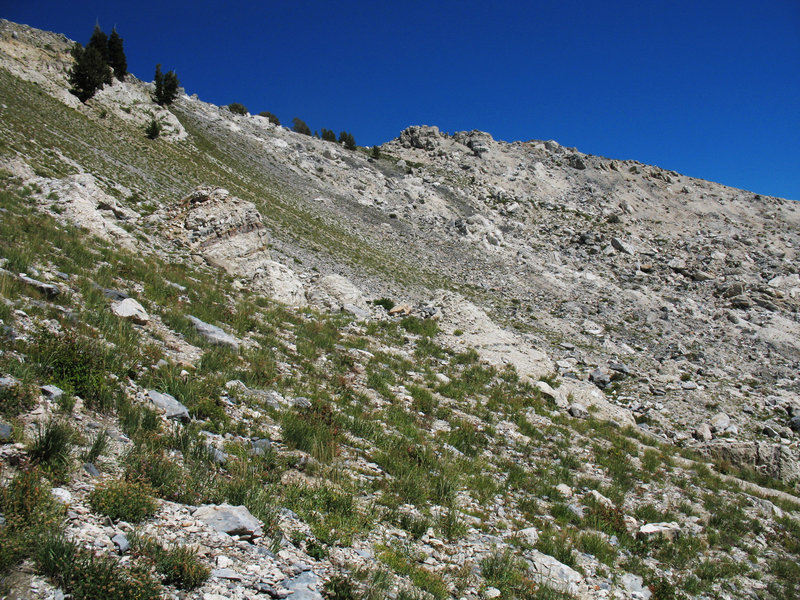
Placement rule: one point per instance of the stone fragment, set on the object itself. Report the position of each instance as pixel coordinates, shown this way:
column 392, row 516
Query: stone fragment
column 5, row 433
column 306, row 586
column 61, row 495
column 333, row 292
column 666, row 531
column 578, row 411
column 213, row 334
column 233, row 520
column 720, row 422
column 130, row 309
column 229, row 574
column 622, row 246
column 52, row 392
column 703, row 433
column 48, row 289
column 635, row 586
column 600, row 377
column 550, row 394
column 171, row 407
column 529, row 534
column 121, row 542
column 547, row 569
column 91, row 469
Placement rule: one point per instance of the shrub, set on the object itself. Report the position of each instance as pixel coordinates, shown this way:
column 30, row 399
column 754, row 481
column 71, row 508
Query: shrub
column 313, row 430
column 178, row 564
column 153, row 129
column 51, row 445
column 299, row 126
column 79, row 365
column 423, row 327
column 89, row 577
column 386, row 303
column 166, row 86
column 237, row 108
column 29, row 509
column 272, row 118
column 151, row 467
column 98, row 447
column 123, row 500
column 16, row 399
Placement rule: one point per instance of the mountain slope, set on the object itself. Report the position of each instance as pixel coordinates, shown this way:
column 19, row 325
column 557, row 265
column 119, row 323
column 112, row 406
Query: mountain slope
column 550, row 301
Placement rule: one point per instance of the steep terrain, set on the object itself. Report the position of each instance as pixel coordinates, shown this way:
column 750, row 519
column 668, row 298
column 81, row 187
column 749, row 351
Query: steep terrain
column 466, row 368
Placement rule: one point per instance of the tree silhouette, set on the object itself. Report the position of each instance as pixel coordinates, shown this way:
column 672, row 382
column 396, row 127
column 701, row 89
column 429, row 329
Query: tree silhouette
column 116, row 55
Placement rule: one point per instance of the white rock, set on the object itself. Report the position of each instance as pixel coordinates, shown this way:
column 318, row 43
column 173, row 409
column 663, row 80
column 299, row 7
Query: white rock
column 130, row 309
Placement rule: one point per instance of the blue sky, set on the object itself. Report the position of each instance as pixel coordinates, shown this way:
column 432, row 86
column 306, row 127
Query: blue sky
column 710, row 89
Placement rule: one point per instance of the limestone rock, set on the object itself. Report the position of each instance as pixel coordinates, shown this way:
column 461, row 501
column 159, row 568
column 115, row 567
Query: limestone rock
column 171, row 407
column 48, row 289
column 233, row 520
column 667, row 531
column 776, row 460
column 130, row 309
column 334, row 292
column 547, row 569
column 280, row 283
column 213, row 334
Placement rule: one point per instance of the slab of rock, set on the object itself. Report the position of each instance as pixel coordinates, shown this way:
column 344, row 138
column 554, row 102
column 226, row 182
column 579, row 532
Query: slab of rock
column 578, row 411
column 551, row 394
column 5, row 433
column 306, row 586
column 333, row 292
column 635, row 586
column 52, row 392
column 171, row 407
column 48, row 289
column 121, row 542
column 547, row 569
column 776, row 460
column 130, row 309
column 667, row 531
column 233, row 520
column 280, row 283
column 215, row 335
column 529, row 534
column 720, row 422
column 703, row 433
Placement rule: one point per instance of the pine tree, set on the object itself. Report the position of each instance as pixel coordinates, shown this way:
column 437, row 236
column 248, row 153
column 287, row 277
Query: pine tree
column 166, row 86
column 272, row 118
column 116, row 55
column 348, row 140
column 99, row 41
column 300, row 127
column 328, row 135
column 88, row 73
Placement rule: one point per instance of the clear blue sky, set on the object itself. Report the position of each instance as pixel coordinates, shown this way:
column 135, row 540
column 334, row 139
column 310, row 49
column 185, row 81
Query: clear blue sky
column 710, row 89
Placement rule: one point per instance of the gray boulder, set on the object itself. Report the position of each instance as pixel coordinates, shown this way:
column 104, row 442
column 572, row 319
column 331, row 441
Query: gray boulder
column 305, row 586
column 337, row 293
column 213, row 334
column 131, row 310
column 550, row 571
column 173, row 409
column 5, row 433
column 233, row 520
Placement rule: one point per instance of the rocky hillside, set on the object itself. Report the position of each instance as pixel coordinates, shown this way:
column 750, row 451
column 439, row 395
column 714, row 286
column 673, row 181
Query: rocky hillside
column 241, row 362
